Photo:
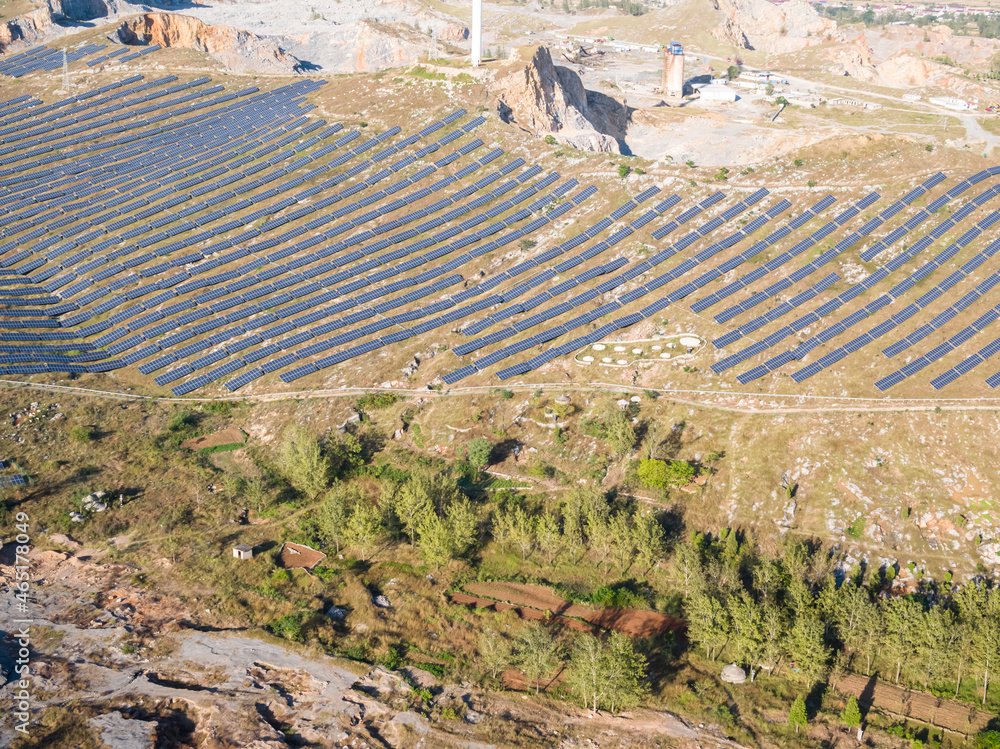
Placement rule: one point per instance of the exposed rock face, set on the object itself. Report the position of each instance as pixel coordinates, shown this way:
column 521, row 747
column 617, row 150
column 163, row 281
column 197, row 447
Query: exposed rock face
column 454, row 33
column 37, row 25
column 364, row 46
column 757, row 24
column 548, row 100
column 855, row 61
column 238, row 50
column 26, row 29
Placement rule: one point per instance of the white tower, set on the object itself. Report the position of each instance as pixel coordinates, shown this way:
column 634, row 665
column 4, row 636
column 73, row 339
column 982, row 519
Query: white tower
column 477, row 32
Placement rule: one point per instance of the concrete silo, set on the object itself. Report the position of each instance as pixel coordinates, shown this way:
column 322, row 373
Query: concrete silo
column 673, row 71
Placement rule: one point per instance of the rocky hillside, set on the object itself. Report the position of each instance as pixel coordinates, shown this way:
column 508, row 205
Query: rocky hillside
column 546, row 99
column 239, row 50
column 757, row 24
column 344, row 36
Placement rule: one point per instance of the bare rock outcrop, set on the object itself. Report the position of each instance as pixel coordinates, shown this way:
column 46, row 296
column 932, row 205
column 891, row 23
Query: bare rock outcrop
column 544, row 99
column 239, row 50
column 855, row 60
column 55, row 17
column 365, row 46
column 757, row 24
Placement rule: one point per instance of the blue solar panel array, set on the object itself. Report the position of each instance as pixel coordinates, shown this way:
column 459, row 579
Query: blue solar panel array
column 204, row 236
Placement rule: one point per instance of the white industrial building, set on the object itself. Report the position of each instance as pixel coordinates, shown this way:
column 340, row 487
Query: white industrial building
column 717, row 91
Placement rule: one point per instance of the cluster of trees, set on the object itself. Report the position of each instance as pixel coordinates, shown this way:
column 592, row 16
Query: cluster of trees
column 789, row 614
column 602, row 672
column 429, row 510
column 584, row 521
column 987, row 26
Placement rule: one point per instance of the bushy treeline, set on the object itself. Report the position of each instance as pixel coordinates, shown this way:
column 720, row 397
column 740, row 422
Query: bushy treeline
column 788, row 614
column 987, row 26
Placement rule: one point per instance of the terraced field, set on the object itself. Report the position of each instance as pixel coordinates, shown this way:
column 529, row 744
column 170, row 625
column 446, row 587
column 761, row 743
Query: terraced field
column 220, row 240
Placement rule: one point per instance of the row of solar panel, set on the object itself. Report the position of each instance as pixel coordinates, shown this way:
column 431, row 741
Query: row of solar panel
column 613, row 283
column 800, row 351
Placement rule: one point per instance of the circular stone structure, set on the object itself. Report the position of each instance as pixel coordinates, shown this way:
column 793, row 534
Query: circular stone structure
column 623, row 361
column 657, row 348
column 619, row 349
column 599, row 347
column 664, row 355
column 606, row 359
column 635, row 399
column 588, row 357
column 637, row 351
column 562, row 400
column 733, row 674
column 690, row 341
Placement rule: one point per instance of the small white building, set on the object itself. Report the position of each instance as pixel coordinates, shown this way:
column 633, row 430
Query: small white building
column 718, row 93
column 951, row 102
column 242, row 551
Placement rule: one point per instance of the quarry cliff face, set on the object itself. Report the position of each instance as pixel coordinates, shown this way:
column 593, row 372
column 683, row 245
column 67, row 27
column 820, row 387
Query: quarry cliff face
column 43, row 22
column 544, row 99
column 239, row 50
column 757, row 24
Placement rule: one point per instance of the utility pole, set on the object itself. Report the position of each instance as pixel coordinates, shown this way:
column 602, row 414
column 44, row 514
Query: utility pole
column 477, row 32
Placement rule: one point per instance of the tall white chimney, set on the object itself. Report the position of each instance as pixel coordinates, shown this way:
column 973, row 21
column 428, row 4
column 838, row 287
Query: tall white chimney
column 477, row 32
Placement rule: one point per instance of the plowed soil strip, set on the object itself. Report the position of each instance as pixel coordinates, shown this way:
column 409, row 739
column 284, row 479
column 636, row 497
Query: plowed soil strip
column 920, row 706
column 632, row 622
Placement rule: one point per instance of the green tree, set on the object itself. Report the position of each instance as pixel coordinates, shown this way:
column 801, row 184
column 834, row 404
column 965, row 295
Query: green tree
column 410, row 504
column 797, row 715
column 650, row 540
column 480, row 450
column 586, row 670
column 522, row 530
column 807, row 647
column 623, row 539
column 850, row 716
column 364, row 528
column 303, row 462
column 256, row 492
column 496, row 654
column 709, row 623
column 662, row 474
column 626, row 673
column 334, row 513
column 436, row 545
column 550, row 540
column 988, row 739
column 573, row 519
column 447, row 535
column 621, row 433
column 536, row 652
column 599, row 532
column 624, row 170
column 732, row 72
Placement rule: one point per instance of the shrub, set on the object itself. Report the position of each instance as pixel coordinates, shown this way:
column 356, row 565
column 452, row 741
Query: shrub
column 376, row 401
column 480, row 450
column 661, row 474
column 81, row 434
column 289, row 627
column 550, row 140
column 987, row 740
column 857, row 527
